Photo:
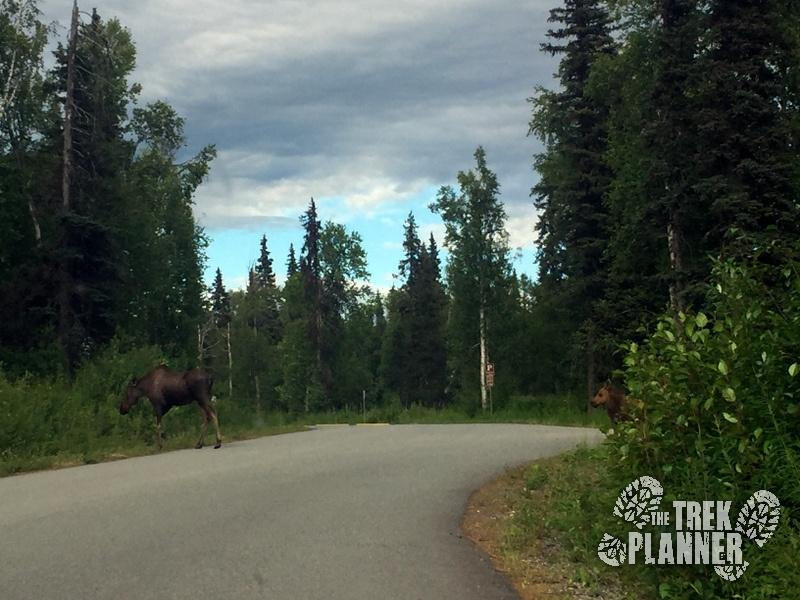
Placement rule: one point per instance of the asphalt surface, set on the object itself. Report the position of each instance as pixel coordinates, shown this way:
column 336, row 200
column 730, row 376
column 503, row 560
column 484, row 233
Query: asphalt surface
column 334, row 513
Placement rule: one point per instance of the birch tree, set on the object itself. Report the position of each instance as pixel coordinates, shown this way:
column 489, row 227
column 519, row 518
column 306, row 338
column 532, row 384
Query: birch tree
column 478, row 265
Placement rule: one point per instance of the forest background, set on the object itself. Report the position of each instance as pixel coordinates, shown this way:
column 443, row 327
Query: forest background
column 667, row 252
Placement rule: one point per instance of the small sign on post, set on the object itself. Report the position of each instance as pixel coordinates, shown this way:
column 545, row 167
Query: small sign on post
column 489, row 375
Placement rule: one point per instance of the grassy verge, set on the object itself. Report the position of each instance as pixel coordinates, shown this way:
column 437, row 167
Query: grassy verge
column 543, row 410
column 74, row 434
column 110, row 449
column 542, row 525
column 558, row 512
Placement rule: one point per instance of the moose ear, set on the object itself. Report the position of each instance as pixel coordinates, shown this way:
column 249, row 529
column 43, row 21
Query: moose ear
column 608, row 383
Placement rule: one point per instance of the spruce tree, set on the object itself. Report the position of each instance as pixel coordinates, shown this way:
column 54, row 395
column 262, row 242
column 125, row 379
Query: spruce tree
column 745, row 150
column 263, row 297
column 575, row 177
column 291, row 263
column 220, row 302
column 93, row 74
column 264, row 275
column 429, row 305
column 416, row 356
column 311, row 273
column 672, row 140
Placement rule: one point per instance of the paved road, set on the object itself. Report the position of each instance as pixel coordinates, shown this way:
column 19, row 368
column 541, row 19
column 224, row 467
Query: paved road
column 336, row 513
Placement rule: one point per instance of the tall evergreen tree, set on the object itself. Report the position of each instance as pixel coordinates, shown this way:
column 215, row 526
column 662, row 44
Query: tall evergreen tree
column 264, row 275
column 257, row 328
column 574, row 175
column 745, row 148
column 311, row 273
column 300, row 389
column 291, row 263
column 264, row 296
column 429, row 306
column 317, row 300
column 672, row 138
column 220, row 302
column 93, row 69
column 416, row 354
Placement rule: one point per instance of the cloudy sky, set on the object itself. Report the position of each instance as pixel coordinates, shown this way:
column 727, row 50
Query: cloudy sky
column 365, row 105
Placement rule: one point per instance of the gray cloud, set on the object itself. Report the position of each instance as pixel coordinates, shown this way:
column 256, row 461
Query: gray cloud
column 354, row 99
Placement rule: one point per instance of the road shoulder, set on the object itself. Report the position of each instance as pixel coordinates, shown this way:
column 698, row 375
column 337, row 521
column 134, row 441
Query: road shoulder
column 541, row 568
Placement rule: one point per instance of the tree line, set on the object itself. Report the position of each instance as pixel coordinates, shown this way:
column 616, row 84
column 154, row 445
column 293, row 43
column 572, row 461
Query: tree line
column 99, row 244
column 98, row 235
column 669, row 140
column 324, row 341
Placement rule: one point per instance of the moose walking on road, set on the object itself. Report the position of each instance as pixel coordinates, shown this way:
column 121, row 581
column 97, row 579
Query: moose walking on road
column 166, row 388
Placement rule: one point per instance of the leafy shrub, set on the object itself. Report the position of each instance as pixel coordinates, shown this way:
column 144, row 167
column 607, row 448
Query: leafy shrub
column 48, row 417
column 29, row 416
column 715, row 403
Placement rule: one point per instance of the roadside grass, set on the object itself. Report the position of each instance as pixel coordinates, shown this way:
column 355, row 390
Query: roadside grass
column 558, row 513
column 543, row 410
column 56, row 426
column 554, row 515
column 111, row 449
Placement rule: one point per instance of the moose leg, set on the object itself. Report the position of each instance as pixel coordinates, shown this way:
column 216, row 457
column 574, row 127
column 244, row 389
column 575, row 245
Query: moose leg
column 205, row 426
column 216, row 427
column 158, row 431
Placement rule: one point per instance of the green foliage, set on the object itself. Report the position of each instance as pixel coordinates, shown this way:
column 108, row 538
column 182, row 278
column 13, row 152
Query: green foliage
column 414, row 350
column 98, row 240
column 56, row 416
column 575, row 177
column 715, row 406
column 564, row 507
column 656, row 147
column 479, row 274
column 164, row 265
column 329, row 322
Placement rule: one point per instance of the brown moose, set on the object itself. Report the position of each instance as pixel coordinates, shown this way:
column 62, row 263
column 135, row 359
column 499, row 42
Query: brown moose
column 614, row 401
column 166, row 388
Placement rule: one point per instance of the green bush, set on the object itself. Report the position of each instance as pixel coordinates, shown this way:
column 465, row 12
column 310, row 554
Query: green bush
column 715, row 414
column 29, row 417
column 51, row 417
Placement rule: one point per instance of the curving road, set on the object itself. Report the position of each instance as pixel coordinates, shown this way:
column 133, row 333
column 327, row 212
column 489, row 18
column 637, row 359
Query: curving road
column 335, row 513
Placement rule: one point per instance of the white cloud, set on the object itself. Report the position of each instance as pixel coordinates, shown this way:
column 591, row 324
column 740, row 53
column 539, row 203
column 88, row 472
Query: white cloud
column 362, row 105
column 520, row 227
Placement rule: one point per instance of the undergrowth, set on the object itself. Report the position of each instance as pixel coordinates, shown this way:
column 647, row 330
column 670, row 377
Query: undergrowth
column 46, row 423
column 546, row 410
column 714, row 399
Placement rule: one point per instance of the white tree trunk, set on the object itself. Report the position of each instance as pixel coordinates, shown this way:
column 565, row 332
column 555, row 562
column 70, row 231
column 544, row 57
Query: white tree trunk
column 484, row 402
column 676, row 264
